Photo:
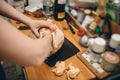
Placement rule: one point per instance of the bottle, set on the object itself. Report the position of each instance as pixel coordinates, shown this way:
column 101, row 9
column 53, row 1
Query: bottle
column 95, row 23
column 47, row 8
column 101, row 8
column 26, row 3
column 19, row 5
column 80, row 15
column 59, row 9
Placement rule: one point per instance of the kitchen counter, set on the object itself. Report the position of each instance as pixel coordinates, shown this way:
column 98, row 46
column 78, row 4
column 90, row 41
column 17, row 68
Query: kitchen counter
column 44, row 72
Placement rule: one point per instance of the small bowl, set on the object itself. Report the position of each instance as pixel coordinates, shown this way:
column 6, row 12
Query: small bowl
column 82, row 43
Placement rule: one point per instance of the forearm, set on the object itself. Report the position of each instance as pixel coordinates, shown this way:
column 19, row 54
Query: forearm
column 9, row 11
column 20, row 49
column 46, row 49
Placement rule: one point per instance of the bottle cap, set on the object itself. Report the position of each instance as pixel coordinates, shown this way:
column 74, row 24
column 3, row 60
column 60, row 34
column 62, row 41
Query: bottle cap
column 81, row 32
column 114, row 41
column 87, row 11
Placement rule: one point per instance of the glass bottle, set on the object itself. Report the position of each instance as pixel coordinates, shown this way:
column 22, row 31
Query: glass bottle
column 47, row 8
column 80, row 15
column 94, row 24
column 19, row 5
column 59, row 9
column 26, row 2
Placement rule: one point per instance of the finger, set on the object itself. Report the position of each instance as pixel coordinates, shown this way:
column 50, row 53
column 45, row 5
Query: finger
column 53, row 28
column 49, row 25
column 52, row 25
column 35, row 31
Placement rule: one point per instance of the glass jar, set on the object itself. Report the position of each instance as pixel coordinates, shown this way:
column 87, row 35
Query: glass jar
column 47, row 8
column 19, row 5
column 59, row 10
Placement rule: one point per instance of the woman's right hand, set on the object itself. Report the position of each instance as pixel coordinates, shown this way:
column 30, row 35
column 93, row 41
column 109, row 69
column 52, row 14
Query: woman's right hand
column 37, row 24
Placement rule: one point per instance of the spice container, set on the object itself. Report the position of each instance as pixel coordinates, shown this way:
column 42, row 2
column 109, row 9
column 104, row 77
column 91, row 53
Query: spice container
column 88, row 19
column 114, row 41
column 109, row 61
column 94, row 24
column 74, row 12
column 95, row 57
column 99, row 45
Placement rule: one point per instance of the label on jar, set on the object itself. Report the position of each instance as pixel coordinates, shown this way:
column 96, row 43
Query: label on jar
column 107, row 66
column 95, row 57
column 61, row 15
column 47, row 9
column 111, row 57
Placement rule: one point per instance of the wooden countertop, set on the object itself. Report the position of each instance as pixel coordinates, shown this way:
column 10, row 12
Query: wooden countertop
column 44, row 72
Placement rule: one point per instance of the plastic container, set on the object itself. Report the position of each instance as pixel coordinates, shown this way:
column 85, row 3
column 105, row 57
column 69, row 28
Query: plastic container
column 109, row 61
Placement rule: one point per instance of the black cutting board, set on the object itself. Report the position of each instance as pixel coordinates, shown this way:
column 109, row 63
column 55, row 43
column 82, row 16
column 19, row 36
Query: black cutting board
column 67, row 50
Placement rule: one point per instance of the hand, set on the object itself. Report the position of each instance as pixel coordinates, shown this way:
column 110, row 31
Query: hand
column 47, row 34
column 37, row 24
column 46, row 40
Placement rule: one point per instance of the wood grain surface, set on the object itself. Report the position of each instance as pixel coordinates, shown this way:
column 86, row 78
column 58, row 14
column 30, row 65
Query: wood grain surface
column 43, row 72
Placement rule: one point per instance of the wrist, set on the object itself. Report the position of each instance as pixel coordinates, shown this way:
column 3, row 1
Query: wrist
column 29, row 22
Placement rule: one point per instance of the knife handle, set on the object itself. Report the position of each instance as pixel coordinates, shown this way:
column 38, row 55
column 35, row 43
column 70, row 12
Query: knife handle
column 71, row 28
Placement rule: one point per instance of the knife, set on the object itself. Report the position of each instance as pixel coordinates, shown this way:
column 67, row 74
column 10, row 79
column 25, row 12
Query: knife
column 23, row 28
column 69, row 18
column 71, row 28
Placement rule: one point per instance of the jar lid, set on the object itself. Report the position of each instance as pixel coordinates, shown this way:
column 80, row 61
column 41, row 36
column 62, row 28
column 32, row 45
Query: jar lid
column 100, row 41
column 99, row 45
column 87, row 11
column 111, row 57
column 116, row 37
